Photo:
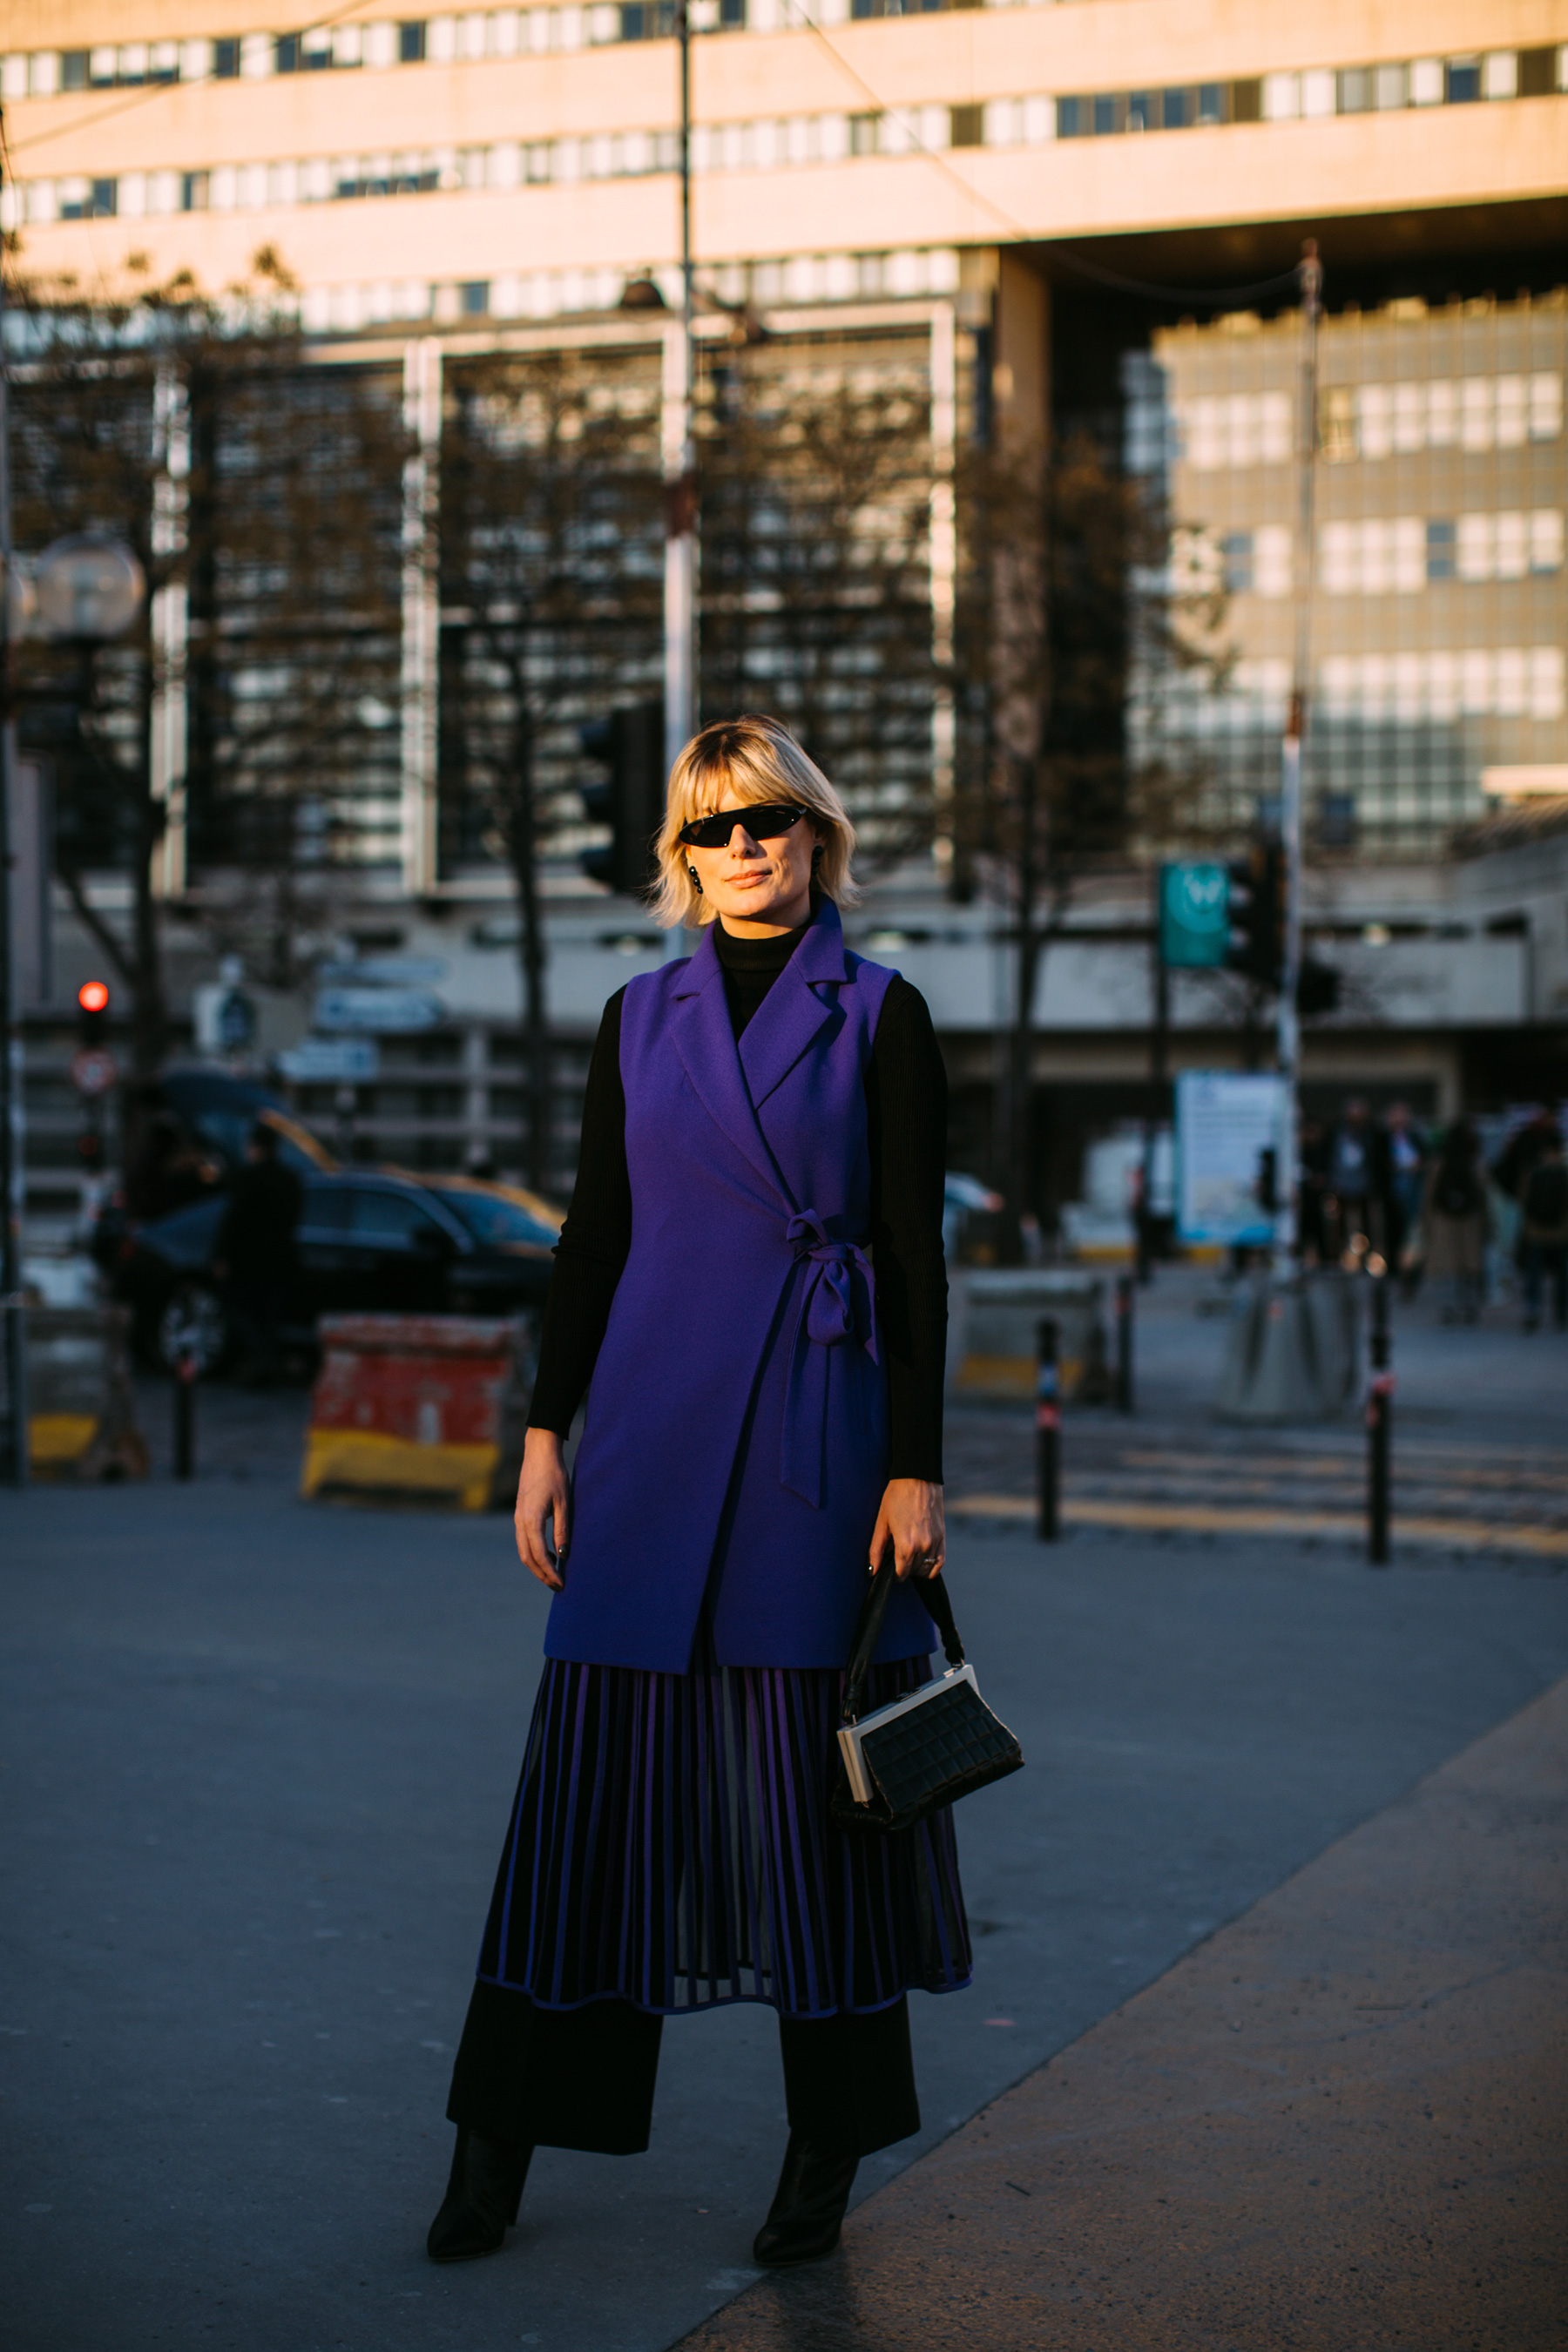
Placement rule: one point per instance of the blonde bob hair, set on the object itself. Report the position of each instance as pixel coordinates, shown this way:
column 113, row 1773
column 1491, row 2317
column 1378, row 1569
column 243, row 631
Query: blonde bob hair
column 734, row 762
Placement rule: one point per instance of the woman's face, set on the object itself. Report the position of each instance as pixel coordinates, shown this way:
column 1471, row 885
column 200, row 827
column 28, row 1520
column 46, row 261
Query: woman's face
column 758, row 886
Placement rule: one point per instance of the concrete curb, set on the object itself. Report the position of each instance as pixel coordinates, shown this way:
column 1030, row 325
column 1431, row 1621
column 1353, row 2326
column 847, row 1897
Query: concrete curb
column 1336, row 2125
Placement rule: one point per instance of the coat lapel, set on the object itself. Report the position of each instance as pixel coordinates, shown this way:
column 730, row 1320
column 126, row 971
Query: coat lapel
column 800, row 1004
column 706, row 1043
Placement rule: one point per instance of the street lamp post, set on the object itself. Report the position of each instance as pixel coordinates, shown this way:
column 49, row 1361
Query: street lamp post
column 680, row 457
column 1287, row 1232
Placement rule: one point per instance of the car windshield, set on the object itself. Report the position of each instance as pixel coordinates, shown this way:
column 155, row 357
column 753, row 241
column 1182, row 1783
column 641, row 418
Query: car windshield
column 494, row 1220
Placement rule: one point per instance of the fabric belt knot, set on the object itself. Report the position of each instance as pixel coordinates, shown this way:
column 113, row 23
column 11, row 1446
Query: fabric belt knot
column 838, row 1303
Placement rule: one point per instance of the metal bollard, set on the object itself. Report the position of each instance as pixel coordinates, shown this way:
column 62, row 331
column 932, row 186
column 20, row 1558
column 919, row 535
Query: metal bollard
column 1379, row 1427
column 1047, row 1433
column 1125, row 1295
column 185, row 1415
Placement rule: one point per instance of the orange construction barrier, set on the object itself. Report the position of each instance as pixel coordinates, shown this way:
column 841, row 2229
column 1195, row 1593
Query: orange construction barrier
column 426, row 1405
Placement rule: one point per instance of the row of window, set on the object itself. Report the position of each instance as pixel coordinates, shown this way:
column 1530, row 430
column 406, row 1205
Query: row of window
column 1393, row 555
column 1227, row 430
column 1311, row 97
column 1478, row 682
column 1411, row 551
column 477, row 35
column 767, row 145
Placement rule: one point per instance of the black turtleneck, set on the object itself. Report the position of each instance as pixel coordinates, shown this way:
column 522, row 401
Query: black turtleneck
column 906, row 1106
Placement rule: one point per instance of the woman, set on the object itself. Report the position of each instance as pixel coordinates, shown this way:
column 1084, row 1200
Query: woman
column 1454, row 1213
column 764, row 1422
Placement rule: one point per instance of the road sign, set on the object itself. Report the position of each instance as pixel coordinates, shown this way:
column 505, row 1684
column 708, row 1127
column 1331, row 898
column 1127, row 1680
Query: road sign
column 93, row 1070
column 1195, row 915
column 334, row 1061
column 1226, row 1122
column 389, row 1010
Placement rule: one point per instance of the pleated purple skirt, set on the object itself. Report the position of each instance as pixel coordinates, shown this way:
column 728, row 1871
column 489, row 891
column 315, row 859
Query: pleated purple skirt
column 671, row 1845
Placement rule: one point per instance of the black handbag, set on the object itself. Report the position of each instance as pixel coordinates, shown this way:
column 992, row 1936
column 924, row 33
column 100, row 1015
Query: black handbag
column 937, row 1743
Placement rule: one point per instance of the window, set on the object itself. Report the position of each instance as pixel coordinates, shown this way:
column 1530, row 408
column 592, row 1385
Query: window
column 1246, row 102
column 194, row 192
column 89, row 199
column 474, row 298
column 1068, row 123
column 288, row 53
column 732, row 16
column 1139, row 110
column 863, row 134
column 1537, row 73
column 1211, row 103
column 411, row 44
column 1464, row 81
column 1173, row 113
column 73, row 70
column 1105, row 113
column 966, row 126
column 1442, row 552
column 226, row 60
column 393, row 1219
column 1236, row 548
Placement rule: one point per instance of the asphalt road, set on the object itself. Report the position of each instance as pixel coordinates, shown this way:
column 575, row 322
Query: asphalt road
column 258, row 1757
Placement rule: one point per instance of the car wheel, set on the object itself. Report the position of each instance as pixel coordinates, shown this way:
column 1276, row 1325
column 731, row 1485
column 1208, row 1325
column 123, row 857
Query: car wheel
column 194, row 1322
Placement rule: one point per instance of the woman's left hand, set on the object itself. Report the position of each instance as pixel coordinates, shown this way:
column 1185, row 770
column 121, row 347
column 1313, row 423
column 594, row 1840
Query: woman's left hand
column 912, row 1520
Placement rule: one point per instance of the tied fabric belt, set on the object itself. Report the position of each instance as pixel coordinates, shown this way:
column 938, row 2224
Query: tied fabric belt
column 839, row 1304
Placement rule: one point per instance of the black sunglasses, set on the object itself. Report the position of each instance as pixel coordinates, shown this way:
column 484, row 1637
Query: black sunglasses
column 763, row 820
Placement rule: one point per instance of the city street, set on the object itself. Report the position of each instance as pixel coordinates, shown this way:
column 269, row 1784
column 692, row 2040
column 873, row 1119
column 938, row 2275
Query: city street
column 259, row 1756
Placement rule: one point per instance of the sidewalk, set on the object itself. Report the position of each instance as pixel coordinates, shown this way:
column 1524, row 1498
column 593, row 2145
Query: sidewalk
column 1335, row 2125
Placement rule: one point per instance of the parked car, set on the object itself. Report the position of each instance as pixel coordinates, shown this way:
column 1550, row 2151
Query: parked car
column 372, row 1239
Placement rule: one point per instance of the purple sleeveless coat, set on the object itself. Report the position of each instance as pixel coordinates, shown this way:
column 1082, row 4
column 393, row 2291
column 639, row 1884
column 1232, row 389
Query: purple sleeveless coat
column 736, row 1443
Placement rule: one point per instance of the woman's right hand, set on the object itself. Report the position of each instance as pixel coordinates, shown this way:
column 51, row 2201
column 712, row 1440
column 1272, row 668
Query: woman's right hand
column 542, row 1497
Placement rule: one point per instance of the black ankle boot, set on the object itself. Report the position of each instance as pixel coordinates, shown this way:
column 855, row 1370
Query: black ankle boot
column 807, row 2208
column 483, row 2194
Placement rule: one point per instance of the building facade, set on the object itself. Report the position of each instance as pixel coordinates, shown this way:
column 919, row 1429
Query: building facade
column 1024, row 218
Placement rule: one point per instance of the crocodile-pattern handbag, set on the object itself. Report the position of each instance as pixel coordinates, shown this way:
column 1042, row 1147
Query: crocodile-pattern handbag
column 926, row 1749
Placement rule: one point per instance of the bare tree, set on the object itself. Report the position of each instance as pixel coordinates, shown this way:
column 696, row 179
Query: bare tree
column 260, row 496
column 814, row 475
column 1066, row 605
column 551, row 582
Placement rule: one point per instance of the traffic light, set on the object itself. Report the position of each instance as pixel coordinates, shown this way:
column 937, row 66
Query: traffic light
column 630, row 799
column 1257, row 916
column 92, row 1000
column 1316, row 988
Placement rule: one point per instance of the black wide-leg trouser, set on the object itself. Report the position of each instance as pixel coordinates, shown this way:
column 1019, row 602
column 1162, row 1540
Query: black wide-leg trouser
column 584, row 2078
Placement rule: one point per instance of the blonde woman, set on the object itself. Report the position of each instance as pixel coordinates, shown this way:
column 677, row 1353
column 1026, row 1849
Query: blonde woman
column 749, row 1290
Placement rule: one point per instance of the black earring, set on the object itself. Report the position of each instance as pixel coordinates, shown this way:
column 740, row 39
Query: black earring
column 695, row 882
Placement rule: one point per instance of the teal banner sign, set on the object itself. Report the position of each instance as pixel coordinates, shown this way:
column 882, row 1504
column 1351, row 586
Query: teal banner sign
column 1195, row 915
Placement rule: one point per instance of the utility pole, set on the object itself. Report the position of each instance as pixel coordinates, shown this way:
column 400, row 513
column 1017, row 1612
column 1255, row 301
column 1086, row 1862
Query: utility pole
column 14, row 1464
column 680, row 459
column 1289, row 1035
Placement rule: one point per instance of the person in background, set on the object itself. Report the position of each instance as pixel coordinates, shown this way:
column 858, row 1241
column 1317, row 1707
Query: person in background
column 1312, row 1203
column 1453, row 1209
column 1404, row 1162
column 1353, row 1171
column 255, row 1253
column 1526, row 1146
column 1543, row 1237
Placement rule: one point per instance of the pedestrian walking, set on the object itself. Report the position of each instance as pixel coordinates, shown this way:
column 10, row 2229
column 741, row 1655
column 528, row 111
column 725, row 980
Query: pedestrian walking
column 255, row 1256
column 1454, row 1211
column 764, row 1424
column 1544, row 1234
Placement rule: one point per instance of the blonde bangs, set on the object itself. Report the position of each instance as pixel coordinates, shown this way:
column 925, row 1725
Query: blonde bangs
column 735, row 763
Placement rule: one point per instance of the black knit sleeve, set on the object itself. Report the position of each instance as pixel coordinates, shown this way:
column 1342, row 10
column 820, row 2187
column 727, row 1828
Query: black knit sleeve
column 594, row 1240
column 906, row 1095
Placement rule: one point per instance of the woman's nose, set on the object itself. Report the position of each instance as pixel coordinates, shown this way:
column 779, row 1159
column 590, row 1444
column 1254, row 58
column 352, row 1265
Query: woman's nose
column 740, row 842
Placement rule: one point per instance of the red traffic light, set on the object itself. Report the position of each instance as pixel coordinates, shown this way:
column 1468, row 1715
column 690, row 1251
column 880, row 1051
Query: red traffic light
column 93, row 996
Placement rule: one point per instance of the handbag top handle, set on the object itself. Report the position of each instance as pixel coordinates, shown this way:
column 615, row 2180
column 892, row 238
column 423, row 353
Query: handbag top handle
column 868, row 1632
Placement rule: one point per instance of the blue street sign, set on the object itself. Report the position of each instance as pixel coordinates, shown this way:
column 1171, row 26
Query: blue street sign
column 1195, row 915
